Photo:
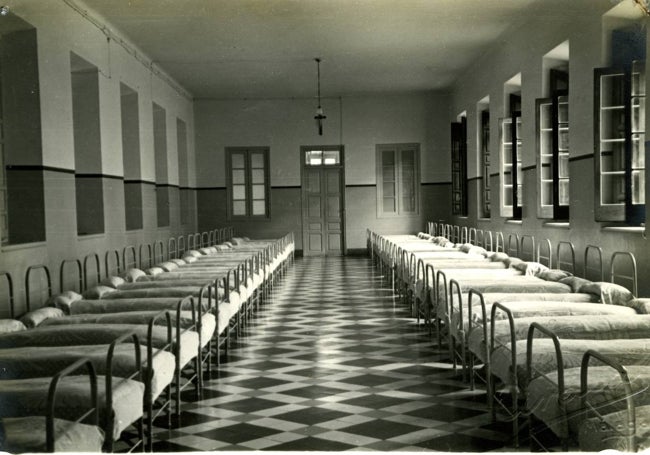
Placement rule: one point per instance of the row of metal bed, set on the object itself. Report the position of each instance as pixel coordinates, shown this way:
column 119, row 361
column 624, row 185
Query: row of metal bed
column 89, row 366
column 557, row 351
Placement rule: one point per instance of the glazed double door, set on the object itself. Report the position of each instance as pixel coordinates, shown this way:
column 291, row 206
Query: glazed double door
column 323, row 211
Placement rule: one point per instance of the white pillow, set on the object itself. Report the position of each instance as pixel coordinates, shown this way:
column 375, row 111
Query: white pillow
column 34, row 318
column 132, row 275
column 113, row 282
column 11, row 325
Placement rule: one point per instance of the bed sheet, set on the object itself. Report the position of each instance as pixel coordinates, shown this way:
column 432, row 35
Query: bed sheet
column 614, row 322
column 27, row 435
column 128, row 305
column 178, row 292
column 28, row 397
column 81, row 334
column 162, row 284
column 605, row 392
column 604, row 433
column 42, row 361
column 506, row 284
column 627, row 351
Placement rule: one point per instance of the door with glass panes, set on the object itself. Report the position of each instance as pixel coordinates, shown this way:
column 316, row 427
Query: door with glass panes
column 323, row 223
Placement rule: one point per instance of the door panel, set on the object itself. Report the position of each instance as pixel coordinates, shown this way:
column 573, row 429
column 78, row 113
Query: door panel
column 322, row 203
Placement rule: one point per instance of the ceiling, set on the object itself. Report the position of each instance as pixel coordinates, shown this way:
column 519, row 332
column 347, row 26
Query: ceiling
column 266, row 48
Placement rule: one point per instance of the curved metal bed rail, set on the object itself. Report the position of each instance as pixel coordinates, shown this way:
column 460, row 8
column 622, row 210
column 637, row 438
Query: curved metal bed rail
column 10, row 287
column 544, row 255
column 512, row 236
column 500, row 242
column 205, row 240
column 197, row 240
column 523, row 251
column 125, row 263
column 456, row 234
column 601, row 271
column 464, row 235
column 180, row 251
column 79, row 274
column 170, row 242
column 97, row 267
column 190, row 242
column 162, row 252
column 487, row 235
column 107, row 267
column 559, row 261
column 28, row 289
column 613, row 274
column 472, row 238
column 148, row 245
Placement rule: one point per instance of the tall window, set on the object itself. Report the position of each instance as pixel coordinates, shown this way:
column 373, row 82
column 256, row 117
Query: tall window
column 184, row 192
column 553, row 148
column 160, row 154
column 398, row 179
column 248, row 182
column 511, row 174
column 131, row 157
column 4, row 203
column 484, row 138
column 459, row 167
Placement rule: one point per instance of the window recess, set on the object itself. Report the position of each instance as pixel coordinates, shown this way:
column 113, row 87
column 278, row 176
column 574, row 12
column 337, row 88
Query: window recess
column 485, row 162
column 398, row 175
column 248, row 182
column 552, row 120
column 619, row 140
column 511, row 172
column 459, row 167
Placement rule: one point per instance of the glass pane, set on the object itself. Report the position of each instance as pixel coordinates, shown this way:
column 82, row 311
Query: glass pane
column 564, row 192
column 545, row 116
column 638, row 78
column 238, row 176
column 507, row 178
column 563, row 109
column 238, row 192
column 638, row 187
column 389, row 205
column 332, row 157
column 507, row 197
column 388, row 174
column 313, row 157
column 612, row 124
column 564, row 165
column 259, row 208
column 257, row 160
column 612, row 158
column 612, row 188
column 612, row 90
column 389, row 190
column 258, row 192
column 388, row 157
column 547, row 193
column 258, row 175
column 638, row 114
column 239, row 208
column 237, row 160
column 638, row 152
column 408, row 204
column 408, row 158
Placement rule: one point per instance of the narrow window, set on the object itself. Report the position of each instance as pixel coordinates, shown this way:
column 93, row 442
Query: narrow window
column 160, row 154
column 484, row 141
column 131, row 158
column 511, row 149
column 87, row 146
column 248, row 182
column 620, row 131
column 181, row 132
column 459, row 167
column 397, row 179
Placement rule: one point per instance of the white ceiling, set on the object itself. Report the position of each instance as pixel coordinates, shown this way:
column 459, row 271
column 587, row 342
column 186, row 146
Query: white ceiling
column 266, row 48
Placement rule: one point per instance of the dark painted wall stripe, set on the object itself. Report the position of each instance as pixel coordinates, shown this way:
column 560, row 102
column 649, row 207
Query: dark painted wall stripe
column 144, row 182
column 287, row 187
column 435, row 183
column 98, row 176
column 495, row 174
column 360, row 185
column 529, row 168
column 38, row 167
column 580, row 158
column 475, row 178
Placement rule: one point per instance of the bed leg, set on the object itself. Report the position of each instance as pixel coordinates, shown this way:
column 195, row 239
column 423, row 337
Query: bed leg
column 470, row 368
column 515, row 416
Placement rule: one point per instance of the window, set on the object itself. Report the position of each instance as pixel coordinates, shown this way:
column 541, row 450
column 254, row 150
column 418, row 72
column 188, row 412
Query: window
column 181, row 142
column 248, row 182
column 4, row 203
column 484, row 141
column 553, row 148
column 129, row 107
column 620, row 143
column 398, row 179
column 511, row 147
column 459, row 167
column 160, row 154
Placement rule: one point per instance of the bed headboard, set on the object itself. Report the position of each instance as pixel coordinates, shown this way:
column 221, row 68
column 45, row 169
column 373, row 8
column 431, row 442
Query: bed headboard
column 63, row 283
column 622, row 267
column 563, row 250
column 545, row 253
column 597, row 269
column 107, row 268
column 28, row 284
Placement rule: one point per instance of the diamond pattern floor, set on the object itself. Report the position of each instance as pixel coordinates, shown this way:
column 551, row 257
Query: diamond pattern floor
column 333, row 362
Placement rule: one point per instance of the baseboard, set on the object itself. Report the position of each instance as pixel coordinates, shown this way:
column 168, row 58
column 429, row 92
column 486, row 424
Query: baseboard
column 357, row 252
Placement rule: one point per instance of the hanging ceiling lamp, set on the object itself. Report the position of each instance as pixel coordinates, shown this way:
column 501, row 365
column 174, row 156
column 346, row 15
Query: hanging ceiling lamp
column 319, row 110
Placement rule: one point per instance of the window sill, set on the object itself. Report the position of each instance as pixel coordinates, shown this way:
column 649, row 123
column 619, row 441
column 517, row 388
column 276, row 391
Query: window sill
column 23, row 246
column 558, row 224
column 514, row 221
column 628, row 229
column 484, row 220
column 90, row 236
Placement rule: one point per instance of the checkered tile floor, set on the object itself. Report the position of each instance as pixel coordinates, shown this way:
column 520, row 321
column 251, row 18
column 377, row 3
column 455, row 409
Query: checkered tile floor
column 333, row 362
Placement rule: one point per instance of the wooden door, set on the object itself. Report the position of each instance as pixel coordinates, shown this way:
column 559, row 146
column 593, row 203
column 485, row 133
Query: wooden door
column 323, row 223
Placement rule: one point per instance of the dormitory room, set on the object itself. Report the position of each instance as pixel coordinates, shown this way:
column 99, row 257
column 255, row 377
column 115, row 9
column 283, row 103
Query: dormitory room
column 324, row 225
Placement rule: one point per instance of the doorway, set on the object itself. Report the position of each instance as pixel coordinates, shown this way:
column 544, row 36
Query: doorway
column 323, row 201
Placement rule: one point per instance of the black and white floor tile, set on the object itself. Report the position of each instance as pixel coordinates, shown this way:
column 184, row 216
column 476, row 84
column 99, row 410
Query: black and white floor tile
column 333, row 362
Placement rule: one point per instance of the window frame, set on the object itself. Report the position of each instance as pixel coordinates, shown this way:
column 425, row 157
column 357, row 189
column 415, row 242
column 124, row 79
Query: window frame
column 248, row 151
column 484, row 141
column 397, row 149
column 459, row 201
column 627, row 211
